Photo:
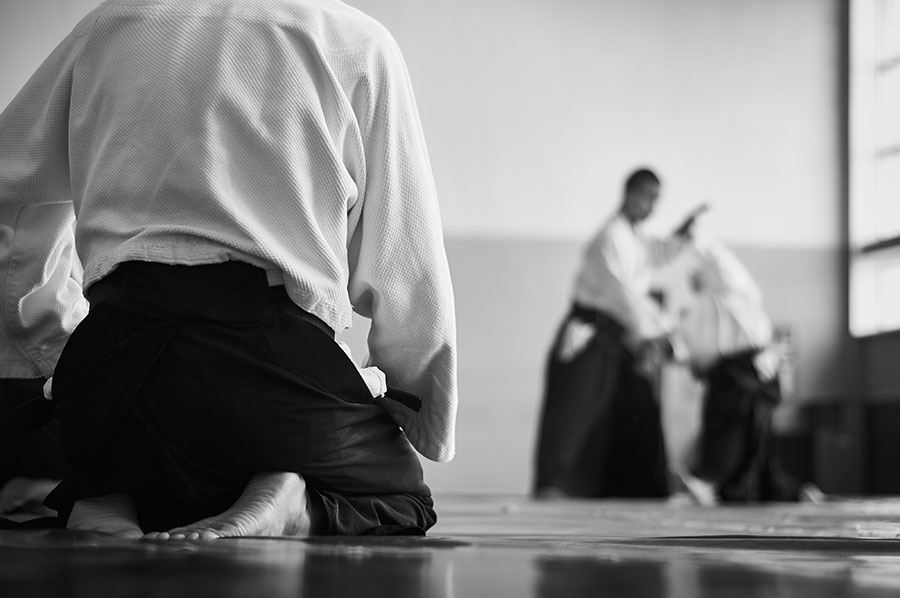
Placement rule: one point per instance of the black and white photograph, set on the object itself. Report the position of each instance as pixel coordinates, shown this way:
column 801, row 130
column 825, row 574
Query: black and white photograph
column 433, row 299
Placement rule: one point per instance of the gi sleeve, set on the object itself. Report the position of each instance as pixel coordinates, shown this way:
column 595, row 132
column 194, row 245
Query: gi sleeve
column 628, row 288
column 41, row 298
column 399, row 275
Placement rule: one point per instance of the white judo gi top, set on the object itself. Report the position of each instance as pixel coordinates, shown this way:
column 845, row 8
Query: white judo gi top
column 616, row 275
column 727, row 316
column 283, row 133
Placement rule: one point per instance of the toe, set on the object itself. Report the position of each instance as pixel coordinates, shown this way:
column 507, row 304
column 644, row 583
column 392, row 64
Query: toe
column 178, row 533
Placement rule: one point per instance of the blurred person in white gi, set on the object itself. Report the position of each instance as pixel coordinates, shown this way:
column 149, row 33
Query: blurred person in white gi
column 728, row 338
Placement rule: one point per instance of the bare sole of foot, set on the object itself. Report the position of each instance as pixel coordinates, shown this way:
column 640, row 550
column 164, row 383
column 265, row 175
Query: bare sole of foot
column 113, row 514
column 810, row 493
column 26, row 494
column 701, row 491
column 272, row 504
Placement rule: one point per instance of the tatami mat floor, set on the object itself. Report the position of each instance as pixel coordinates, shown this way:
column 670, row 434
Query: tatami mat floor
column 496, row 546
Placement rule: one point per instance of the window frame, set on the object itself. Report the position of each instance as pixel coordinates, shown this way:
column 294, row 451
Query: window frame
column 874, row 255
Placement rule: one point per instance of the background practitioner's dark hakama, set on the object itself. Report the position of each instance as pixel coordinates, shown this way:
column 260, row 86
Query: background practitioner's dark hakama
column 736, row 449
column 601, row 432
column 183, row 382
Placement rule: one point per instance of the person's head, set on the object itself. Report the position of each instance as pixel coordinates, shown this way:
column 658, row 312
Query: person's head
column 641, row 193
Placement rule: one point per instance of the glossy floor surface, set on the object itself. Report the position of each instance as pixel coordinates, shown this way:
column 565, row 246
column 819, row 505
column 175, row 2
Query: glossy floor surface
column 495, row 547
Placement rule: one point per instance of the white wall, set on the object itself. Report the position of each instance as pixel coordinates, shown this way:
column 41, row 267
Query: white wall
column 536, row 108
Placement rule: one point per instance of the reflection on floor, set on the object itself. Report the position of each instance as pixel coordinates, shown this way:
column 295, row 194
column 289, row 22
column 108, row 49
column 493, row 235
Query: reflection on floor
column 496, row 547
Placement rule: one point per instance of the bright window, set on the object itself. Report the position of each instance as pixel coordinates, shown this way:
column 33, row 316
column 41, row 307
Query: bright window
column 874, row 166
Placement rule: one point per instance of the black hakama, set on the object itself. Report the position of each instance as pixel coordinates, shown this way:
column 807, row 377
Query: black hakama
column 736, row 450
column 24, row 453
column 600, row 431
column 185, row 381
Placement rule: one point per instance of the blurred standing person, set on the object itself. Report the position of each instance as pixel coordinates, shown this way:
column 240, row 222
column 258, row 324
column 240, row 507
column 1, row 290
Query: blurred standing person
column 728, row 337
column 600, row 429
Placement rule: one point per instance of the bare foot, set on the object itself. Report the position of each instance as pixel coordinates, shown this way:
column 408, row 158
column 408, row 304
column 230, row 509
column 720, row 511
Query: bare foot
column 113, row 514
column 272, row 504
column 810, row 493
column 27, row 494
column 701, row 491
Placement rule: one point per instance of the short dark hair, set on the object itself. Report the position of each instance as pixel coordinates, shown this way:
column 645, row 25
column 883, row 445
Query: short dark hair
column 639, row 177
